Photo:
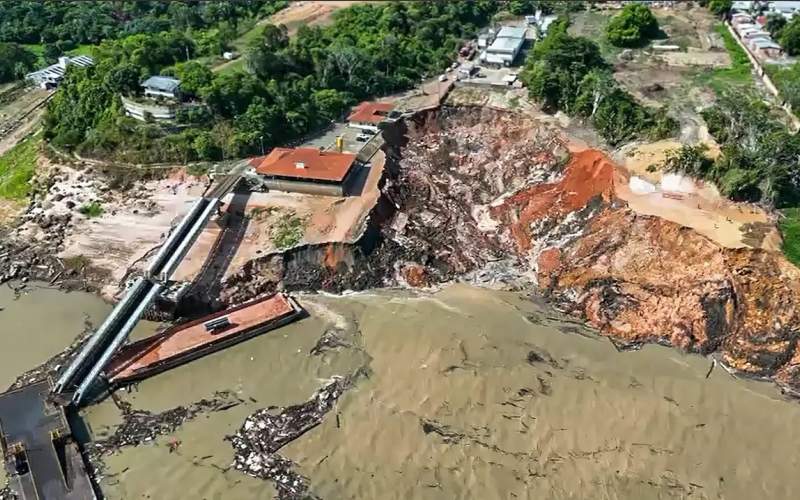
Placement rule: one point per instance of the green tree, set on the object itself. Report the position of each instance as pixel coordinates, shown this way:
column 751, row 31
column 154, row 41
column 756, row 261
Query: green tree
column 632, row 27
column 264, row 55
column 330, row 103
column 775, row 23
column 720, row 7
column 15, row 61
column 193, row 76
column 790, row 37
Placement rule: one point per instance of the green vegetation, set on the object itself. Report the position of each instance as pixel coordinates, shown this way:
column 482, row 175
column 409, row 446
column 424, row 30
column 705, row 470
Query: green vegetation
column 293, row 86
column 568, row 73
column 789, row 37
column 17, row 167
column 92, row 21
column 760, row 159
column 92, row 209
column 718, row 7
column 738, row 75
column 787, row 79
column 522, row 7
column 775, row 24
column 288, row 231
column 633, row 27
column 790, row 230
column 15, row 61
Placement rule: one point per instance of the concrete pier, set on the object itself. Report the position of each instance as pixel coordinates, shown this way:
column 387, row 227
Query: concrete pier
column 41, row 457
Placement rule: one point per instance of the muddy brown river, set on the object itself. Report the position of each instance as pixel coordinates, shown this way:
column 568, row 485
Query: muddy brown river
column 469, row 393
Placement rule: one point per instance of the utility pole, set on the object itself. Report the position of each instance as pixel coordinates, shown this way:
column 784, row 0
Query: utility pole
column 261, row 138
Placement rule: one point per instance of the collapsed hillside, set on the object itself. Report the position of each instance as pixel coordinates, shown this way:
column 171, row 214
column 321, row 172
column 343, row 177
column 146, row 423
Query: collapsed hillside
column 468, row 187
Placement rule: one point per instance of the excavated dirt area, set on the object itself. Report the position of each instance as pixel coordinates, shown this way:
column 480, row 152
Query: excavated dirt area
column 491, row 196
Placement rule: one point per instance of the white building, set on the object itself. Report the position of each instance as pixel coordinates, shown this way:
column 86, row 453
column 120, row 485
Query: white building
column 505, row 47
column 742, row 6
column 51, row 76
column 162, row 86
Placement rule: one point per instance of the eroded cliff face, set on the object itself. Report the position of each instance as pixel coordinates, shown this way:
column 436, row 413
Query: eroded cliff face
column 471, row 187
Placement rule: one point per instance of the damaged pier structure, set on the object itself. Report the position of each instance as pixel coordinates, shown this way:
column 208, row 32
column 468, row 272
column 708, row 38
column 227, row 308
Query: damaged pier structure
column 42, row 459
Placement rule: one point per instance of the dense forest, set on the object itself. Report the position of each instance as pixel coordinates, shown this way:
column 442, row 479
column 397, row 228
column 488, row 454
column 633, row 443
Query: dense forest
column 92, row 21
column 569, row 74
column 15, row 61
column 294, row 85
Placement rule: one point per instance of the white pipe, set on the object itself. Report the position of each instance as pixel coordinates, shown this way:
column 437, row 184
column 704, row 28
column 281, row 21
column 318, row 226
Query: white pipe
column 91, row 346
column 180, row 252
column 122, row 335
column 174, row 236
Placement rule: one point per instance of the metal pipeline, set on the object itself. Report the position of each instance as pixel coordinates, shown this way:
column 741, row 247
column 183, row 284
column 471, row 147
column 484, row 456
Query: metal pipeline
column 74, row 368
column 177, row 234
column 121, row 336
column 177, row 256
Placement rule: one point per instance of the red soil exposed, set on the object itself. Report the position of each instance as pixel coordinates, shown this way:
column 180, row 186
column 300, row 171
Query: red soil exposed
column 588, row 174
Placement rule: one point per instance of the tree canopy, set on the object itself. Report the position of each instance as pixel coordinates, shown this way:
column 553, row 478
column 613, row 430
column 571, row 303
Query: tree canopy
column 15, row 61
column 632, row 27
column 760, row 160
column 569, row 74
column 292, row 86
column 92, row 21
column 790, row 37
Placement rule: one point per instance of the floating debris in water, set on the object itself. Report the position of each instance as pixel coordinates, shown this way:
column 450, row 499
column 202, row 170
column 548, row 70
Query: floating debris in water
column 330, row 340
column 141, row 426
column 267, row 431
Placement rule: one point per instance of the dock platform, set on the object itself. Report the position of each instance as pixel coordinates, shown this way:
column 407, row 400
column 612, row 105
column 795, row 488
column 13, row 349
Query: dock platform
column 183, row 343
column 42, row 460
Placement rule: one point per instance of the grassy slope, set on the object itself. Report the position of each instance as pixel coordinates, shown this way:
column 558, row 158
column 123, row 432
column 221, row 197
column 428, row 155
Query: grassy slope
column 739, row 74
column 16, row 169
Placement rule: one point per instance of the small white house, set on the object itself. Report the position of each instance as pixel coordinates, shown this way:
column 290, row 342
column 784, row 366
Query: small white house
column 162, row 86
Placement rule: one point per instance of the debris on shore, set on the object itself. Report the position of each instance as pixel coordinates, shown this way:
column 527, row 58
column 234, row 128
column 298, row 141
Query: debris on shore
column 265, row 432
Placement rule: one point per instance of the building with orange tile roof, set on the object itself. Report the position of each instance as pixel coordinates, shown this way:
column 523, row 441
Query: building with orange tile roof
column 306, row 170
column 368, row 115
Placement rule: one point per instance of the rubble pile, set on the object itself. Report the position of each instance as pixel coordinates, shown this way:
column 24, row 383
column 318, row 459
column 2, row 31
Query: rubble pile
column 265, row 432
column 30, row 249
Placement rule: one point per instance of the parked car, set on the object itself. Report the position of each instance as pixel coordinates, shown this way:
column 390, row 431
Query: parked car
column 363, row 137
column 443, row 78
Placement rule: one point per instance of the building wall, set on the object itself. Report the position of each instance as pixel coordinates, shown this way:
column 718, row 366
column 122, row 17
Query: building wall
column 158, row 93
column 306, row 187
column 137, row 110
column 364, row 126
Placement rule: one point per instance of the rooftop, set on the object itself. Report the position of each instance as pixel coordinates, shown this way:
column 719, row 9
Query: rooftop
column 765, row 43
column 511, row 32
column 162, row 83
column 506, row 44
column 58, row 69
column 305, row 163
column 370, row 112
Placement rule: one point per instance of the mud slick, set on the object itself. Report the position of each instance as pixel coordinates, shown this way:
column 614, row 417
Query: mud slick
column 265, row 432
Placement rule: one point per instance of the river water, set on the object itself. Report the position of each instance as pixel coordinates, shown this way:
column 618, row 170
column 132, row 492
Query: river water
column 470, row 393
